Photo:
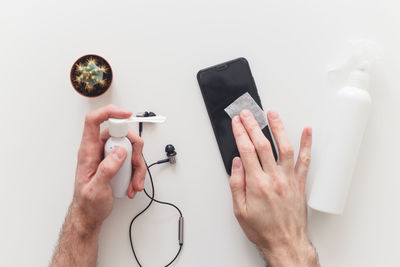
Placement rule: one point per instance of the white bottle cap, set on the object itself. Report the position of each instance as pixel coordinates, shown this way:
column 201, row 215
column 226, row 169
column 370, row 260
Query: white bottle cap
column 118, row 127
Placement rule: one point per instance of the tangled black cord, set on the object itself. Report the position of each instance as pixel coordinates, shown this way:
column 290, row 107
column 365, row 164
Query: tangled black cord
column 152, row 199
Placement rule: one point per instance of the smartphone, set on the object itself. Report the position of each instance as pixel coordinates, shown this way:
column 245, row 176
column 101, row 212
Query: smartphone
column 221, row 85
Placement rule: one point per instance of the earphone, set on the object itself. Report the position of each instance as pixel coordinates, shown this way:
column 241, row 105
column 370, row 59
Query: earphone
column 144, row 114
column 171, row 158
column 171, row 153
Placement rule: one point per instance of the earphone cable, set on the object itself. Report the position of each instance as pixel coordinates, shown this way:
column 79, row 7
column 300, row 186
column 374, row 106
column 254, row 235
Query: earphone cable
column 140, row 213
column 152, row 199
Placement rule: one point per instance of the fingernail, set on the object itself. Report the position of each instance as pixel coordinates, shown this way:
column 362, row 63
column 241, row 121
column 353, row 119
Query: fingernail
column 133, row 194
column 237, row 163
column 309, row 132
column 119, row 153
column 236, row 119
column 273, row 115
column 245, row 113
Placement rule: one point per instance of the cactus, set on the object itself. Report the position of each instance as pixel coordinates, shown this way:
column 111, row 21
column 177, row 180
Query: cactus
column 90, row 74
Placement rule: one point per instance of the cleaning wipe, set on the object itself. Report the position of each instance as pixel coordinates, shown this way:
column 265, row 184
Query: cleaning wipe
column 245, row 101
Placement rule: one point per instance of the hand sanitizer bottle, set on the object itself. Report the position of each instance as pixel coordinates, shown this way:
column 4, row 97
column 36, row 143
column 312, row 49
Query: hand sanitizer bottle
column 347, row 122
column 118, row 129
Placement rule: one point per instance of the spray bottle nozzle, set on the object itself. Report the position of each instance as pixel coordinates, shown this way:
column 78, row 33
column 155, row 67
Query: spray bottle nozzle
column 364, row 66
column 360, row 76
column 361, row 55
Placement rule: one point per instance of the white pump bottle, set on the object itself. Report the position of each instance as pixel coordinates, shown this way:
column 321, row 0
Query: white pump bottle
column 347, row 123
column 118, row 129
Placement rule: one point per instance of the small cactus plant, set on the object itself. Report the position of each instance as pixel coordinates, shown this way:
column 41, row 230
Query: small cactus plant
column 91, row 75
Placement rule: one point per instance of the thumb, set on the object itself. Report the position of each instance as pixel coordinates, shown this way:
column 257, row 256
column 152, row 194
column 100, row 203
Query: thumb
column 110, row 165
column 238, row 185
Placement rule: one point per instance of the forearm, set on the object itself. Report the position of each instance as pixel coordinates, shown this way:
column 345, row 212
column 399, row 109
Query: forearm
column 303, row 255
column 78, row 242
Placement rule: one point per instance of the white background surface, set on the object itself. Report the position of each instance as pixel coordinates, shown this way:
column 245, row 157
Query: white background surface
column 155, row 49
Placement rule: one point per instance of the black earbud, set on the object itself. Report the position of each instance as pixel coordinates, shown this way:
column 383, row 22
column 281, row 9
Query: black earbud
column 169, row 149
column 171, row 153
column 144, row 114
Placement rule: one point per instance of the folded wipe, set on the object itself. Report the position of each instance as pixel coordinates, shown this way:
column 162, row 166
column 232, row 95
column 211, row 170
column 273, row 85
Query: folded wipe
column 245, row 101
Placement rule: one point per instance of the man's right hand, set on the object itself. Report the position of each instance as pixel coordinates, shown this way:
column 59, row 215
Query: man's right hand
column 93, row 200
column 93, row 194
column 268, row 198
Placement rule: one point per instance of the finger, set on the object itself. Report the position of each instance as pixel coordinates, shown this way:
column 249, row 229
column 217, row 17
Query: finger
column 260, row 142
column 304, row 157
column 286, row 154
column 110, row 165
column 246, row 148
column 105, row 135
column 138, row 163
column 131, row 192
column 237, row 183
column 93, row 120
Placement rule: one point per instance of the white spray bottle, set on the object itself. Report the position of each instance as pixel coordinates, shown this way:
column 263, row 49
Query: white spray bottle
column 118, row 129
column 347, row 122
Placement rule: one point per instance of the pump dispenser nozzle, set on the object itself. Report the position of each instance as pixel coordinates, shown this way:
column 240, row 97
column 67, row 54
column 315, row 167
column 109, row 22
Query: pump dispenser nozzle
column 119, row 127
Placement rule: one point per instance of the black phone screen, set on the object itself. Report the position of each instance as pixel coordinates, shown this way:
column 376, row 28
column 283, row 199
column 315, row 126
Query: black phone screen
column 220, row 86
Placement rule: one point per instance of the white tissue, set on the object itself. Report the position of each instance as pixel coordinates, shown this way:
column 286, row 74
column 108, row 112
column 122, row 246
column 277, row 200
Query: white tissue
column 245, row 101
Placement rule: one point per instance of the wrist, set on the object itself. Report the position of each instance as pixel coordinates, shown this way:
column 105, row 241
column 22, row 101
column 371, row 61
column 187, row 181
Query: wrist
column 79, row 223
column 301, row 254
column 78, row 241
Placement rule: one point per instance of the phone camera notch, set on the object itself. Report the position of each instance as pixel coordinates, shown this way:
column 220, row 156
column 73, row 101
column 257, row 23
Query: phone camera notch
column 222, row 67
